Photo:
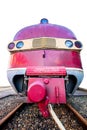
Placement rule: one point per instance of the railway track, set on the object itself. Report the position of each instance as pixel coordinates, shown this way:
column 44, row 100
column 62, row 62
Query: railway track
column 83, row 121
column 59, row 124
column 78, row 115
column 7, row 117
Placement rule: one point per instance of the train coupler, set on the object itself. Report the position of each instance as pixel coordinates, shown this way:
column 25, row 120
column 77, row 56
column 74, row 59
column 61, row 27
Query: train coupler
column 43, row 107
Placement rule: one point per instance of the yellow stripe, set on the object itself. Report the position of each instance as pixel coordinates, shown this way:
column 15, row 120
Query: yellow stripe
column 45, row 43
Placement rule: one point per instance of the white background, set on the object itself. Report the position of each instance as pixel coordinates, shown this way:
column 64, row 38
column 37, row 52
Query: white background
column 16, row 14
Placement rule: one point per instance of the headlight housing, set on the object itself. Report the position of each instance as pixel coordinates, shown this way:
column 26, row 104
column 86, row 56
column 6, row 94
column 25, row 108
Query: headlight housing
column 19, row 44
column 69, row 43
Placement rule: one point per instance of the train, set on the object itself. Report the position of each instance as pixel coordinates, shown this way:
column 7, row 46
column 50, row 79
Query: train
column 45, row 64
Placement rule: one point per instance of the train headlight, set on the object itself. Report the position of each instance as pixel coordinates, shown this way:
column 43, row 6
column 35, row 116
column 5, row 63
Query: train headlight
column 19, row 44
column 69, row 43
column 11, row 45
column 78, row 44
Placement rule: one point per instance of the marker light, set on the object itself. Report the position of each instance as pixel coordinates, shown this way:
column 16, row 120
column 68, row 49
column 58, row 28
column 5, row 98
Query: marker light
column 19, row 44
column 69, row 43
column 11, row 45
column 78, row 44
column 44, row 21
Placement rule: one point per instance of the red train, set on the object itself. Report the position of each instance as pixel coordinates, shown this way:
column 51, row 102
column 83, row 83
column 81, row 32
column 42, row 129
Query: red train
column 45, row 65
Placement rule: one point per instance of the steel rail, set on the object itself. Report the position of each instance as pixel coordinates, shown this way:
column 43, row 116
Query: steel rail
column 78, row 115
column 2, row 121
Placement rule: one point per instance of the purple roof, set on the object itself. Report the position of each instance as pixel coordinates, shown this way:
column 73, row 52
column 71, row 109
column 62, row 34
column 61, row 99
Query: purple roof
column 44, row 30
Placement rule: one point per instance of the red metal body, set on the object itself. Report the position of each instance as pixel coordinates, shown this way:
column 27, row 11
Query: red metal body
column 45, row 69
column 55, row 90
column 52, row 58
column 51, row 87
column 46, row 90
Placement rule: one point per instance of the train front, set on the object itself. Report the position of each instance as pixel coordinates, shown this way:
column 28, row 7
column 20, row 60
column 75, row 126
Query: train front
column 45, row 65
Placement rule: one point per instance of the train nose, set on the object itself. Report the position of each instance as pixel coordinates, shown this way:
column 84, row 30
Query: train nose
column 36, row 91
